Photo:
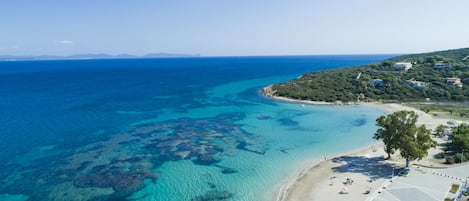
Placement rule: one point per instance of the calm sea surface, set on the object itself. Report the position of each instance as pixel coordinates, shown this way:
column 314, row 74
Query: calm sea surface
column 165, row 129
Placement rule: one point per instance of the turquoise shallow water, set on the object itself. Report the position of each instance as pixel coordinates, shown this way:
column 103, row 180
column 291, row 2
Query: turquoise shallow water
column 292, row 136
column 165, row 129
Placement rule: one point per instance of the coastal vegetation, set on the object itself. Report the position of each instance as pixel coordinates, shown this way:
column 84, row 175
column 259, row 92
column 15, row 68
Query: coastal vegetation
column 458, row 147
column 453, row 110
column 454, row 188
column 436, row 76
column 399, row 132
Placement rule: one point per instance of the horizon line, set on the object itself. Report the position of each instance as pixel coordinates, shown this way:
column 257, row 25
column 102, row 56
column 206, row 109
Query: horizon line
column 169, row 56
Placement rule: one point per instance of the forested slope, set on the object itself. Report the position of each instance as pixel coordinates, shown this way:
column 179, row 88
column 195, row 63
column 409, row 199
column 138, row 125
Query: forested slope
column 355, row 83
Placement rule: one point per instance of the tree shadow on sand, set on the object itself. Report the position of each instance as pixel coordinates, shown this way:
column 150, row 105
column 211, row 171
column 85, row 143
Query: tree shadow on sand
column 374, row 167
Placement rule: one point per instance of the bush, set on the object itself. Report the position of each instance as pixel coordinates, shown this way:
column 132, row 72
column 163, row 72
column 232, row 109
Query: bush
column 440, row 155
column 458, row 157
column 426, row 110
column 454, row 188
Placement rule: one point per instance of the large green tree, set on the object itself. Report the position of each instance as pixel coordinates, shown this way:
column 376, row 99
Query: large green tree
column 415, row 144
column 460, row 140
column 399, row 132
column 393, row 127
column 385, row 133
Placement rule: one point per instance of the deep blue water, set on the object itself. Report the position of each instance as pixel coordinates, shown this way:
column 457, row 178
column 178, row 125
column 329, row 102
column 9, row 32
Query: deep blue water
column 51, row 110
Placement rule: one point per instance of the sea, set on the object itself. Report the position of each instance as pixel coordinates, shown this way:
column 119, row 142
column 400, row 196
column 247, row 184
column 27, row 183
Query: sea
column 169, row 129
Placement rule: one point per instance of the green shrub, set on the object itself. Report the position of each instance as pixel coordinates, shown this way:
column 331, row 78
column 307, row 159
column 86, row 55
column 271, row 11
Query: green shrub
column 440, row 155
column 454, row 188
column 458, row 157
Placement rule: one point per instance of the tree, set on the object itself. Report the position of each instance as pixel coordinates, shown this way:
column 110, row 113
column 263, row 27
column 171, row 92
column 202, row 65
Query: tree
column 399, row 132
column 393, row 126
column 415, row 144
column 385, row 134
column 460, row 140
column 440, row 131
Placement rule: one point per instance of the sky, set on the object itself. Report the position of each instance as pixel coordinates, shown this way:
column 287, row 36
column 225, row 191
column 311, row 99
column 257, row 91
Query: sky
column 232, row 27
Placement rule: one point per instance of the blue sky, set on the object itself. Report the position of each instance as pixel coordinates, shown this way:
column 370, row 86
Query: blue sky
column 228, row 27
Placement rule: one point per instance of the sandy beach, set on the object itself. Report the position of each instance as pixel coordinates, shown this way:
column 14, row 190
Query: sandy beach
column 349, row 176
column 357, row 175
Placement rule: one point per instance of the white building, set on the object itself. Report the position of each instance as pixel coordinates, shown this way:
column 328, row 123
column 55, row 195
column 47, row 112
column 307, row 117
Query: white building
column 415, row 83
column 443, row 65
column 454, row 81
column 403, row 65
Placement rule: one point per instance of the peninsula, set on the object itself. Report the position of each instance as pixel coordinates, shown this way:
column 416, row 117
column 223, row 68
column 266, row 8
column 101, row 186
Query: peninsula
column 436, row 76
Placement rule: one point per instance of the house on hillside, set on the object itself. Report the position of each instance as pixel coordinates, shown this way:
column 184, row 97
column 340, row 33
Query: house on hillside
column 454, row 81
column 377, row 83
column 403, row 65
column 415, row 83
column 443, row 65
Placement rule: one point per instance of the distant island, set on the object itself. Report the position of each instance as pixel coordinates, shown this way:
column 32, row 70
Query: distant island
column 93, row 56
column 441, row 76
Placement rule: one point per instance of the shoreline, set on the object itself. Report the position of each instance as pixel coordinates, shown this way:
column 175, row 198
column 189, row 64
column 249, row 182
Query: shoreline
column 287, row 190
column 424, row 119
column 314, row 177
column 268, row 92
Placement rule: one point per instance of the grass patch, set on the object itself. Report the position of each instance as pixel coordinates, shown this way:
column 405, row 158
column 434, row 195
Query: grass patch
column 448, row 199
column 454, row 188
column 456, row 111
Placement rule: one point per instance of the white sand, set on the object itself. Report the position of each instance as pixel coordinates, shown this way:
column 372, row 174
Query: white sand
column 424, row 119
column 324, row 181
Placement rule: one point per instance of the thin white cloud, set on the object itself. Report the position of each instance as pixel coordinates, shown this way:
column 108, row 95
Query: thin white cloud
column 10, row 48
column 65, row 42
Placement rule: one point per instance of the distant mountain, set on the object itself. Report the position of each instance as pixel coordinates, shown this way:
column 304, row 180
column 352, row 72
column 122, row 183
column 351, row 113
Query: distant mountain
column 92, row 56
column 166, row 55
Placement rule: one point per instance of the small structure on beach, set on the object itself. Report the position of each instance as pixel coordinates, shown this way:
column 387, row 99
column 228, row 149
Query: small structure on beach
column 415, row 83
column 403, row 66
column 454, row 81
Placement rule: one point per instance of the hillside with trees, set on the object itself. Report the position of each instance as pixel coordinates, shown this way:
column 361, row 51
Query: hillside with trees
column 436, row 76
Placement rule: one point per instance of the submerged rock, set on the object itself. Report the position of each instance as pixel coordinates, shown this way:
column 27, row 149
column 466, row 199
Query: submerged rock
column 227, row 170
column 214, row 196
column 119, row 181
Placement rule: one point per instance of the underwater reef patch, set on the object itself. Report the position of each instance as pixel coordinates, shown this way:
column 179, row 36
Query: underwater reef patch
column 288, row 122
column 359, row 122
column 116, row 167
column 214, row 196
